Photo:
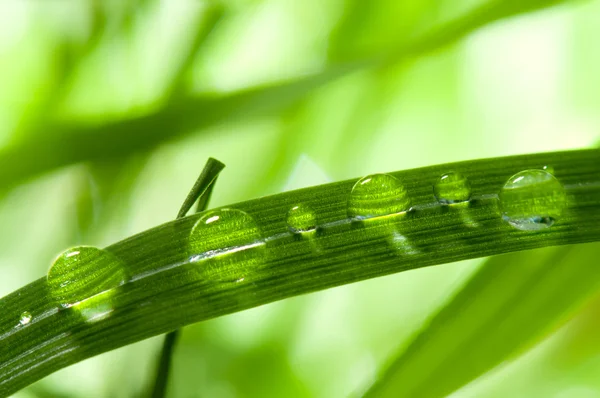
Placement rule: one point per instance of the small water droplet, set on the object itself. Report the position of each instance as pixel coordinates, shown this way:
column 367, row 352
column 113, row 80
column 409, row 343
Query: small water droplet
column 452, row 188
column 224, row 237
column 301, row 219
column 549, row 169
column 83, row 272
column 532, row 200
column 25, row 318
column 377, row 195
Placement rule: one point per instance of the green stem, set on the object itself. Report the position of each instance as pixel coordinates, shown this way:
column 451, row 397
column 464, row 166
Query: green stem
column 200, row 192
column 165, row 290
column 161, row 381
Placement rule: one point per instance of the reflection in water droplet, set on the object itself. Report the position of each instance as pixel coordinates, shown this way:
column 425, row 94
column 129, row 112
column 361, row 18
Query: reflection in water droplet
column 25, row 318
column 452, row 188
column 301, row 219
column 402, row 244
column 377, row 195
column 96, row 308
column 532, row 200
column 225, row 237
column 83, row 272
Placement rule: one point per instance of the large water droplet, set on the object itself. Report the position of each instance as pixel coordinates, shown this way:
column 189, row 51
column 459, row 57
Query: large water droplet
column 25, row 318
column 532, row 200
column 83, row 272
column 452, row 188
column 377, row 195
column 224, row 237
column 301, row 219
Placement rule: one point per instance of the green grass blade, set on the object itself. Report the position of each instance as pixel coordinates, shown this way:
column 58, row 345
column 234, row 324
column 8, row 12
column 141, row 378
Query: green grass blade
column 202, row 188
column 166, row 289
column 63, row 144
column 512, row 302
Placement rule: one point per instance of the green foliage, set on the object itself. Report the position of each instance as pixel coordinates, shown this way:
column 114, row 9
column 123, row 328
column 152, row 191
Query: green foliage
column 108, row 109
column 510, row 302
column 230, row 259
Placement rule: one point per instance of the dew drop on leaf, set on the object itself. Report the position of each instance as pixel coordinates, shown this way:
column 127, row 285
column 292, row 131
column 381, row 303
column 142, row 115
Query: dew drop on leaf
column 25, row 318
column 84, row 272
column 301, row 219
column 548, row 168
column 452, row 188
column 532, row 200
column 226, row 238
column 377, row 195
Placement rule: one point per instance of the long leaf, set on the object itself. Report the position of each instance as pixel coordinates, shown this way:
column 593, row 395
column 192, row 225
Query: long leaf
column 169, row 284
column 63, row 144
column 510, row 303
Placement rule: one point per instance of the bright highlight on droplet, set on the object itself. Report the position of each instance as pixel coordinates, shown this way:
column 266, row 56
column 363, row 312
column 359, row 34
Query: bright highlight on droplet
column 212, row 219
column 549, row 169
column 301, row 219
column 25, row 318
column 377, row 195
column 83, row 272
column 532, row 200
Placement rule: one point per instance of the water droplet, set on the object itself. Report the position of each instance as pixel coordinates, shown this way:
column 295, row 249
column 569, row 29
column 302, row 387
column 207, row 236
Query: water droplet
column 452, row 188
column 377, row 195
column 226, row 236
column 301, row 219
column 532, row 200
column 25, row 318
column 549, row 169
column 83, row 272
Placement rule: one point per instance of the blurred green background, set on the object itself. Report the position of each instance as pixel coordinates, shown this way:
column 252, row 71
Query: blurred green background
column 109, row 109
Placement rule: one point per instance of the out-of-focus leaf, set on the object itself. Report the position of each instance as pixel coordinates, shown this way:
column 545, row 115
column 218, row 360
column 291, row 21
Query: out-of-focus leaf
column 66, row 143
column 69, row 54
column 563, row 365
column 511, row 303
column 41, row 391
column 104, row 192
column 367, row 28
column 237, row 367
column 211, row 16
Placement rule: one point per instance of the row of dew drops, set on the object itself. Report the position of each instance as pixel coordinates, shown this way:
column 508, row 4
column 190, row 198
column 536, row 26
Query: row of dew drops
column 531, row 200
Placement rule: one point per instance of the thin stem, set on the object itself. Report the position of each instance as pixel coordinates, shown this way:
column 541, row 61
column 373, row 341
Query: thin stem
column 161, row 380
column 201, row 192
column 202, row 188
